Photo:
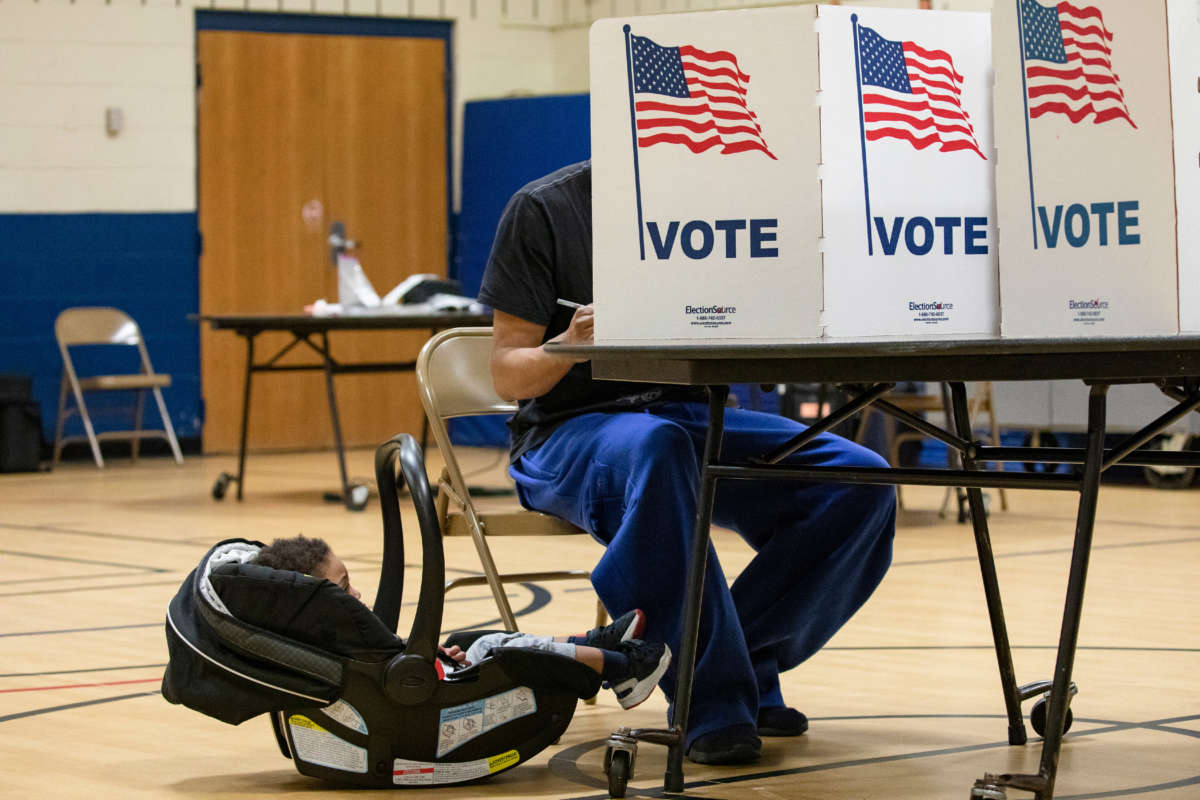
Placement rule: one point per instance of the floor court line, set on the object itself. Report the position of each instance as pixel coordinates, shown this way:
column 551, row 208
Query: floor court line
column 77, row 671
column 79, row 685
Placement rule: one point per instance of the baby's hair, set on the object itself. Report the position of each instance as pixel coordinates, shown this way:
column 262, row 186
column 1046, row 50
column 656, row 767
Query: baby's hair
column 299, row 554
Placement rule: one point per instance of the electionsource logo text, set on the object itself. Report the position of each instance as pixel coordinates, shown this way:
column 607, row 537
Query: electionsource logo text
column 932, row 305
column 1096, row 303
column 714, row 316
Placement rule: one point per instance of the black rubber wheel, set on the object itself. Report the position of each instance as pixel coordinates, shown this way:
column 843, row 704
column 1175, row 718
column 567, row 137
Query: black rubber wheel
column 618, row 773
column 1045, row 439
column 1037, row 718
column 220, row 486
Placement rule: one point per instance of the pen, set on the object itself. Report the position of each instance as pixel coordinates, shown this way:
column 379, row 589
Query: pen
column 569, row 304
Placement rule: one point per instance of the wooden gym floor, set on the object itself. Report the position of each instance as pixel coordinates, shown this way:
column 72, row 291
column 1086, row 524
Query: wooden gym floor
column 904, row 702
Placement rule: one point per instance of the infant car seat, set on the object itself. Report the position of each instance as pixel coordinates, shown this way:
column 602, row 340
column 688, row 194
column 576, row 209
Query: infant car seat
column 349, row 700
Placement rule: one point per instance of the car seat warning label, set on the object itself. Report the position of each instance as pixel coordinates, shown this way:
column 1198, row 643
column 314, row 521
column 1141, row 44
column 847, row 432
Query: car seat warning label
column 346, row 714
column 461, row 724
column 424, row 773
column 316, row 745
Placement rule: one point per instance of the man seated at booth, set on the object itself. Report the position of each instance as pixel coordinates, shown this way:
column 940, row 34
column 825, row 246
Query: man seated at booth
column 621, row 461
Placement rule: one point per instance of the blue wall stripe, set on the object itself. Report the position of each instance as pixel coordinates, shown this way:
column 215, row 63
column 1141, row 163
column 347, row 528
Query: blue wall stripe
column 143, row 263
column 320, row 24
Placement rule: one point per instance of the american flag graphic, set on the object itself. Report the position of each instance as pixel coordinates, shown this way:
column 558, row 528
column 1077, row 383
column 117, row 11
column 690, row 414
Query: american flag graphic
column 688, row 96
column 913, row 94
column 1068, row 64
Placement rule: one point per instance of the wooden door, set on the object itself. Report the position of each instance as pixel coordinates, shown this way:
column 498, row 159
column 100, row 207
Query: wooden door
column 296, row 131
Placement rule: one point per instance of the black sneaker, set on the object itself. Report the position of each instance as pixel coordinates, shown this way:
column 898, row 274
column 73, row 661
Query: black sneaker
column 781, row 721
column 647, row 663
column 736, row 744
column 622, row 629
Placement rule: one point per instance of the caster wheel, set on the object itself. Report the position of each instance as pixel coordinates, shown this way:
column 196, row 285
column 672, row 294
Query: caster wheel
column 356, row 498
column 618, row 773
column 1037, row 718
column 987, row 791
column 220, row 486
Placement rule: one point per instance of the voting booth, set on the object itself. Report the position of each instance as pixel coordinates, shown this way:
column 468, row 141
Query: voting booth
column 705, row 201
column 907, row 169
column 793, row 173
column 1183, row 40
column 1089, row 157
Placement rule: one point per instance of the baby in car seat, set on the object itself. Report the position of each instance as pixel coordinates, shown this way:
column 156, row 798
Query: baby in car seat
column 628, row 665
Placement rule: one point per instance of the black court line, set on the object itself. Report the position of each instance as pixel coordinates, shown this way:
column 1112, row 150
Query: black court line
column 541, row 599
column 58, row 578
column 89, row 588
column 565, row 763
column 1132, row 523
column 1047, row 552
column 75, row 671
column 50, row 710
column 88, row 561
column 83, row 630
column 126, row 537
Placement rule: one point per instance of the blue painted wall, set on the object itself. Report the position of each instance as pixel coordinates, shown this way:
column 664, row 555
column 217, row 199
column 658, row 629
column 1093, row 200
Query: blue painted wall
column 144, row 263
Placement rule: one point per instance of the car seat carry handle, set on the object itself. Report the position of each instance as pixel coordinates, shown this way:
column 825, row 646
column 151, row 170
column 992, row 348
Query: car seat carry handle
column 427, row 624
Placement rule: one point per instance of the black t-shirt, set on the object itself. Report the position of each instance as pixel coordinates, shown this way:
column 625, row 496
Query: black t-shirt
column 542, row 252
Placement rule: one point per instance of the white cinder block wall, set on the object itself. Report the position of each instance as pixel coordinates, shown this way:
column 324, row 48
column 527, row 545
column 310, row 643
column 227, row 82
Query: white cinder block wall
column 63, row 63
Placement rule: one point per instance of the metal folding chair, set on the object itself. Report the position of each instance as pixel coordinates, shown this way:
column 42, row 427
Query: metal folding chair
column 454, row 380
column 107, row 326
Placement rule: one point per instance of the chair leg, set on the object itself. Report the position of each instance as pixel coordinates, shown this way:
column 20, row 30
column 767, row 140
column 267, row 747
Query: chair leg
column 167, row 426
column 87, row 426
column 62, row 412
column 494, row 580
column 135, row 445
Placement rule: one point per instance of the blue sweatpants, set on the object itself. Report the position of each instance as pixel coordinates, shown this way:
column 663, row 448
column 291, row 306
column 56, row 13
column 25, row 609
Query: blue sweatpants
column 631, row 479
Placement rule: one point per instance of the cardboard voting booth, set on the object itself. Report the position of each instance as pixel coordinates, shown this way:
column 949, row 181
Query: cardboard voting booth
column 909, row 241
column 1085, row 168
column 1183, row 27
column 705, row 204
column 792, row 172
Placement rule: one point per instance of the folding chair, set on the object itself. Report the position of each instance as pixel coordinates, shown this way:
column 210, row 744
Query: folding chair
column 454, row 380
column 107, row 326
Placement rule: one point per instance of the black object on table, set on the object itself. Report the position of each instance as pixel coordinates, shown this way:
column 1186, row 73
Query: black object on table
column 869, row 368
column 313, row 331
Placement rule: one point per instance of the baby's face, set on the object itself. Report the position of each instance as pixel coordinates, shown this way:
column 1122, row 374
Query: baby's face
column 333, row 570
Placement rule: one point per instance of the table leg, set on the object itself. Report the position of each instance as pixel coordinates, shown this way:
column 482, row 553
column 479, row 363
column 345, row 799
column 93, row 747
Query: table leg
column 1085, row 521
column 1042, row 784
column 241, row 474
column 697, row 564
column 327, row 363
column 991, row 585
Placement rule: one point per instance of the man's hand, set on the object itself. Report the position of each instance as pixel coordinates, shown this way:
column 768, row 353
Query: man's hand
column 580, row 331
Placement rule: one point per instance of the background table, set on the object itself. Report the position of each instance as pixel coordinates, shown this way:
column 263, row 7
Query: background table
column 869, row 368
column 313, row 332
